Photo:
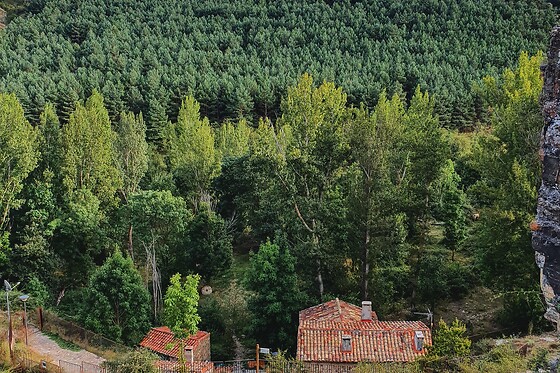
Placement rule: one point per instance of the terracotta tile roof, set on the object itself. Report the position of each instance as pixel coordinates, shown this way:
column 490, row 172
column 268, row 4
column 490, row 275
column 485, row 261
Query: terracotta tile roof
column 334, row 310
column 162, row 341
column 320, row 337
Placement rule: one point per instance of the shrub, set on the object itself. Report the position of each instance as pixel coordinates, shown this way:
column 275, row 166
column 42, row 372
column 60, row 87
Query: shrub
column 450, row 341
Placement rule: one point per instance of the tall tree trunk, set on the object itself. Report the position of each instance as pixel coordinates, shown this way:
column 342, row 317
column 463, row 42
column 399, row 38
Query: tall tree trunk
column 130, row 247
column 315, row 240
column 365, row 264
column 320, row 280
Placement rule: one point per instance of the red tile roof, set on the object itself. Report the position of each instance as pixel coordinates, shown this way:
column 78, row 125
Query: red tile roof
column 321, row 329
column 162, row 341
column 334, row 310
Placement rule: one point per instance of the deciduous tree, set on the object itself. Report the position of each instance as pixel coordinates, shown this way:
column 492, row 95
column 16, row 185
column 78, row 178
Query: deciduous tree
column 18, row 154
column 116, row 303
column 181, row 305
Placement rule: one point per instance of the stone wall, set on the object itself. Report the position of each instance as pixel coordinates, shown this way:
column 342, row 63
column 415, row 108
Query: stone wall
column 546, row 228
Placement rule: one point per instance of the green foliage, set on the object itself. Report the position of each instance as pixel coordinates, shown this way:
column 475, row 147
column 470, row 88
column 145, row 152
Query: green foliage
column 131, row 151
column 18, row 154
column 116, row 303
column 450, row 341
column 208, row 248
column 181, row 305
column 89, row 160
column 388, row 368
column 159, row 221
column 501, row 359
column 277, row 298
column 232, row 140
column 280, row 363
column 61, row 342
column 360, row 200
column 378, row 224
column 523, row 310
column 509, row 168
column 239, row 59
column 189, row 144
column 78, row 237
column 538, row 360
column 439, row 279
column 38, row 291
column 426, row 159
column 309, row 169
column 450, row 207
column 225, row 315
column 138, row 361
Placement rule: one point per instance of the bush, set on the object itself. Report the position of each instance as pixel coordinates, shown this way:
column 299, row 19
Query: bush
column 439, row 279
column 523, row 311
column 501, row 359
column 538, row 360
column 139, row 360
column 450, row 341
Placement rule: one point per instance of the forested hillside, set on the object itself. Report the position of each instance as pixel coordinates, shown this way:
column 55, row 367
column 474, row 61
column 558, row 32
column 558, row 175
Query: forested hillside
column 143, row 139
column 238, row 57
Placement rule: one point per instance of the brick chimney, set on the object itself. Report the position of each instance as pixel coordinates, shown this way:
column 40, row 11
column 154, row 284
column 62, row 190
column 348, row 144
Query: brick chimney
column 366, row 310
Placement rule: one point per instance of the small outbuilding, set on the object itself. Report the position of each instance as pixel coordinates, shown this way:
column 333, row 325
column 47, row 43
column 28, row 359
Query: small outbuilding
column 162, row 341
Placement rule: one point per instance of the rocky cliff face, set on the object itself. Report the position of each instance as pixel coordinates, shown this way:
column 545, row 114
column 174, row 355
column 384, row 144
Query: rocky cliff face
column 546, row 228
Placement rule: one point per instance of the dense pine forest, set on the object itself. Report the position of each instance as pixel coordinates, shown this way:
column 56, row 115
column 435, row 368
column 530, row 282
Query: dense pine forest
column 284, row 153
column 238, row 57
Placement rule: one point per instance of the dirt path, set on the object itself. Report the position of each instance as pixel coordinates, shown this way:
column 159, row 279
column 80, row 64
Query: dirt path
column 43, row 345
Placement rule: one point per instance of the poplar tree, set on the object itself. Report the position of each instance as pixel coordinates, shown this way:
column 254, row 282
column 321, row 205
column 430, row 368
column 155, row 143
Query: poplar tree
column 18, row 154
column 132, row 151
column 189, row 145
column 376, row 214
column 315, row 160
column 89, row 160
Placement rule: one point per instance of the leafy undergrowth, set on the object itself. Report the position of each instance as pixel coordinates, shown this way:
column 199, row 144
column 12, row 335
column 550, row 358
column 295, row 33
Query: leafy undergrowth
column 61, row 342
column 478, row 310
column 530, row 353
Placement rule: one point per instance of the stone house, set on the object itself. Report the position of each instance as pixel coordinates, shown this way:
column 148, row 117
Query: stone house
column 341, row 333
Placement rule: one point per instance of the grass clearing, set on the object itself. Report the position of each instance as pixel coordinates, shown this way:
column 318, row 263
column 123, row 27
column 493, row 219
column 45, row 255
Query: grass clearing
column 62, row 343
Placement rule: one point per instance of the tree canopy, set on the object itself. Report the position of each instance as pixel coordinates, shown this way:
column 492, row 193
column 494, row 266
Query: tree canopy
column 239, row 58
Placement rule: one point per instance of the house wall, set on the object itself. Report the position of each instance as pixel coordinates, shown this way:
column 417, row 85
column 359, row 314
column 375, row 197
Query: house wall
column 202, row 351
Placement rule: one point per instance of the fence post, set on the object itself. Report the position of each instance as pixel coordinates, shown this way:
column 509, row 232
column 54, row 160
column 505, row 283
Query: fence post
column 40, row 310
column 258, row 352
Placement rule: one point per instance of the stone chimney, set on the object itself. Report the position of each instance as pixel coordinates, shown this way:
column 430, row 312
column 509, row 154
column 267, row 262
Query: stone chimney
column 366, row 311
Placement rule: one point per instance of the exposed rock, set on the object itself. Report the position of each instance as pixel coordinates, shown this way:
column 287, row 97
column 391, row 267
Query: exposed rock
column 546, row 228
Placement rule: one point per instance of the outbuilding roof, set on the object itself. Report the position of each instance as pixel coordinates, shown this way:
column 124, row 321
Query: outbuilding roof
column 163, row 341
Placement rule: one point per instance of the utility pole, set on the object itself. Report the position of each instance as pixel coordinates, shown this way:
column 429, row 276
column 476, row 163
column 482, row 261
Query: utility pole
column 10, row 336
column 9, row 288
